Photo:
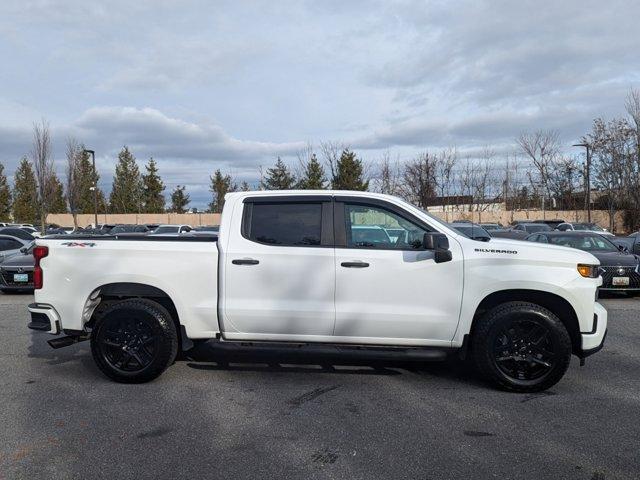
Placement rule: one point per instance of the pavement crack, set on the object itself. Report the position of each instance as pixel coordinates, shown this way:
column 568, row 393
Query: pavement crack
column 310, row 395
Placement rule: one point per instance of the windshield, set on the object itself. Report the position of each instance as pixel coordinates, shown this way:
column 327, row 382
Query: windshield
column 491, row 227
column 589, row 243
column 166, row 229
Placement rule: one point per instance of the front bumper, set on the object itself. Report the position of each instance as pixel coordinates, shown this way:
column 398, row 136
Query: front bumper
column 44, row 318
column 593, row 341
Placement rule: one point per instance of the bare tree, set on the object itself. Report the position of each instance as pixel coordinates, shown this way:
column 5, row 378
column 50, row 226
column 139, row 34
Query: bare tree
column 331, row 152
column 542, row 148
column 74, row 154
column 419, row 180
column 43, row 163
column 445, row 164
column 388, row 178
column 612, row 146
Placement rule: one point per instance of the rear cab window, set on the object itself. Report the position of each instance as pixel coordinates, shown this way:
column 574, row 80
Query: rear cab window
column 302, row 223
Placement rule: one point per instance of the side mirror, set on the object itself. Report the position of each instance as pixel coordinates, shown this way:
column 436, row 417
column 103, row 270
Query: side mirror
column 439, row 243
column 623, row 248
column 23, row 250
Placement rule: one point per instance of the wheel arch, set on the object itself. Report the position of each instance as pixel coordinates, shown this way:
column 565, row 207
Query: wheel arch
column 106, row 294
column 552, row 302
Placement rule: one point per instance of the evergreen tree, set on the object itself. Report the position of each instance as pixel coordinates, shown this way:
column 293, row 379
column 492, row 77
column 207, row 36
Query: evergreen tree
column 25, row 193
column 152, row 187
column 5, row 197
column 179, row 200
column 127, row 186
column 58, row 201
column 220, row 186
column 87, row 178
column 245, row 187
column 313, row 176
column 349, row 173
column 278, row 177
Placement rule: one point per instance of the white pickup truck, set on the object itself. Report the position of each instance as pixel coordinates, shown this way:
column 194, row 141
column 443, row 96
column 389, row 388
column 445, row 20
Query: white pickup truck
column 332, row 267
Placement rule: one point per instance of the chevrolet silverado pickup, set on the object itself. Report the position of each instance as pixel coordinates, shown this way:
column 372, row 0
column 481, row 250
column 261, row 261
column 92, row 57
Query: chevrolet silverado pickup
column 332, row 267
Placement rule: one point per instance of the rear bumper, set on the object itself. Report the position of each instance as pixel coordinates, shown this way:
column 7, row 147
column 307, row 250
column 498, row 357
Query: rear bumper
column 593, row 341
column 44, row 318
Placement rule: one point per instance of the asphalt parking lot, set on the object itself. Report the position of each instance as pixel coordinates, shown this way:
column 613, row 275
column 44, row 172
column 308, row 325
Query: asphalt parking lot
column 278, row 413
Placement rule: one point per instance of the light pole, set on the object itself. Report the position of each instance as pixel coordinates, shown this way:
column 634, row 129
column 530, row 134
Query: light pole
column 588, row 175
column 94, row 188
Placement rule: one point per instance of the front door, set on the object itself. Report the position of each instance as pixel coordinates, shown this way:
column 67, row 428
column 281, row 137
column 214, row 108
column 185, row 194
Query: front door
column 388, row 288
column 279, row 271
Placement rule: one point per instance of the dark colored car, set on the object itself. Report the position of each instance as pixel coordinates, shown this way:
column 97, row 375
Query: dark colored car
column 491, row 226
column 128, row 229
column 471, row 230
column 521, row 230
column 552, row 223
column 17, row 232
column 620, row 270
column 631, row 243
column 16, row 272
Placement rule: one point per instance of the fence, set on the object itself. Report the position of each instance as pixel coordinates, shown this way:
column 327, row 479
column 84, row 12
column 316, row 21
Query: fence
column 193, row 219
column 505, row 217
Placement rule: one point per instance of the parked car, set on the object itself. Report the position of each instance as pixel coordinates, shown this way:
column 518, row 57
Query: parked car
column 491, row 226
column 630, row 243
column 17, row 233
column 302, row 267
column 207, row 228
column 521, row 230
column 172, row 229
column 582, row 227
column 10, row 246
column 619, row 269
column 553, row 223
column 472, row 230
column 35, row 233
column 128, row 229
column 16, row 272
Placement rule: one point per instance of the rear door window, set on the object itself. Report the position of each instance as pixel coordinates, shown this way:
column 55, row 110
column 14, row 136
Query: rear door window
column 284, row 224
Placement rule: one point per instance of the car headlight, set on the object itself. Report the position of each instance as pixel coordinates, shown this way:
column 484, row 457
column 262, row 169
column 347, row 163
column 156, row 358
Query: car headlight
column 588, row 271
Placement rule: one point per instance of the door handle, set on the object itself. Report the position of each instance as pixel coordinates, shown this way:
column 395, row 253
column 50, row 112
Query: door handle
column 355, row 264
column 245, row 261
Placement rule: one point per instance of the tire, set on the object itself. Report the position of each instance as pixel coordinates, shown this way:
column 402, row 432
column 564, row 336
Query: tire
column 134, row 341
column 521, row 347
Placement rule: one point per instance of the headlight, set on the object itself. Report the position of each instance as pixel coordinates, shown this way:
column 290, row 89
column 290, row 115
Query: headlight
column 588, row 271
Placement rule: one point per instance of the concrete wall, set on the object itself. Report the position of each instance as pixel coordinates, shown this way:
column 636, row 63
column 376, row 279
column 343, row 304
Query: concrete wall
column 505, row 217
column 193, row 219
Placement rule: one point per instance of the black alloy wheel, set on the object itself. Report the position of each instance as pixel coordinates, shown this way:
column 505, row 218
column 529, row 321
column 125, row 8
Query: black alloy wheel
column 521, row 347
column 134, row 340
column 524, row 350
column 128, row 344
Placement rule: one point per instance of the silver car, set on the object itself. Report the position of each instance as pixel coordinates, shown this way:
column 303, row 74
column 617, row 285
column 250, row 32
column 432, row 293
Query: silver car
column 10, row 246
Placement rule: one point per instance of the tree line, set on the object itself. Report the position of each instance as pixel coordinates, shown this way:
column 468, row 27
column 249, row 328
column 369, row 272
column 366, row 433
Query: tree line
column 537, row 174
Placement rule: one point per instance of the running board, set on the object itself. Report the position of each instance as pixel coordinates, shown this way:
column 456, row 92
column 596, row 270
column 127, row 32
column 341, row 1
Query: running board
column 66, row 341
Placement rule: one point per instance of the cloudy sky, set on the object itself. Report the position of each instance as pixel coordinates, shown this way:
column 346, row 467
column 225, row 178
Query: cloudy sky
column 201, row 84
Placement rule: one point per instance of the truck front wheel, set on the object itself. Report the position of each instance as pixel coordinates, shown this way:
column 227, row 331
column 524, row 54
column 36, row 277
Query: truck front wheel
column 521, row 346
column 134, row 341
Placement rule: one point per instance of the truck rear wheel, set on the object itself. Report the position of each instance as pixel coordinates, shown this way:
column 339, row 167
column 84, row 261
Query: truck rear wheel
column 134, row 341
column 522, row 347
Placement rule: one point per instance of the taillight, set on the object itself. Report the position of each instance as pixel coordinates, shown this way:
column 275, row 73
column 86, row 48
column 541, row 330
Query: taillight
column 39, row 252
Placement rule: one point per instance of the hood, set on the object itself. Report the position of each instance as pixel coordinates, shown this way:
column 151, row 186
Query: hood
column 19, row 260
column 615, row 259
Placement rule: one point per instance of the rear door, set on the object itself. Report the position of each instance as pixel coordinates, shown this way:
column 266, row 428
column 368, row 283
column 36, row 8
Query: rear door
column 388, row 288
column 279, row 273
